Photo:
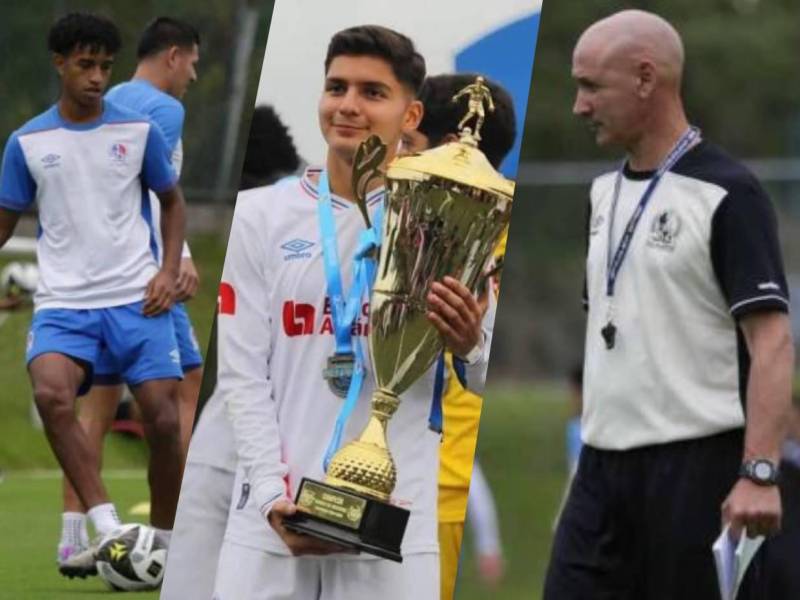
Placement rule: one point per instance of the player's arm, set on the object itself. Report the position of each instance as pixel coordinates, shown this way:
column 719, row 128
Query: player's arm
column 747, row 262
column 482, row 520
column 244, row 380
column 8, row 222
column 159, row 176
column 17, row 188
column 769, row 342
column 465, row 324
column 161, row 290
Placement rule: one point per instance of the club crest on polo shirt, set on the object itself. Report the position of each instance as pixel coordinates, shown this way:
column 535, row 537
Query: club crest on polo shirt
column 118, row 153
column 664, row 230
column 296, row 248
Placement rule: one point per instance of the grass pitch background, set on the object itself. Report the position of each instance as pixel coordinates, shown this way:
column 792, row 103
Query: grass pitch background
column 520, row 447
column 30, row 487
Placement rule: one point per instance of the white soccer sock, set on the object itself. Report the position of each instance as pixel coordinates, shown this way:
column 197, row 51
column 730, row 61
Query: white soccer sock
column 104, row 518
column 73, row 530
column 165, row 535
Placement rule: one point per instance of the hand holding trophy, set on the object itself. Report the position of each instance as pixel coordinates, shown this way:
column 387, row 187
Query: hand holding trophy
column 444, row 212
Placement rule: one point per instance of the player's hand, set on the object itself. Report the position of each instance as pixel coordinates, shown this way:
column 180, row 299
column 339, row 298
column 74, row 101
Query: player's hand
column 299, row 545
column 188, row 281
column 491, row 569
column 159, row 294
column 456, row 314
column 752, row 506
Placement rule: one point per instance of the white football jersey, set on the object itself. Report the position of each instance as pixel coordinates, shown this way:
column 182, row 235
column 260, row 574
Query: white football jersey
column 95, row 246
column 275, row 336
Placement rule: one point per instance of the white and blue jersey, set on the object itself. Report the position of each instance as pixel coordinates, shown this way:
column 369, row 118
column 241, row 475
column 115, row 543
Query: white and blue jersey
column 96, row 246
column 168, row 114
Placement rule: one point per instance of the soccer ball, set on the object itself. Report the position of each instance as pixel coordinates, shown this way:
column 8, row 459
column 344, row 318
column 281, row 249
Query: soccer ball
column 131, row 557
column 19, row 279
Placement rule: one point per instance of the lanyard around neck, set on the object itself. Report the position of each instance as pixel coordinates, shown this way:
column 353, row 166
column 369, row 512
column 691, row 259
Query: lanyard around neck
column 614, row 260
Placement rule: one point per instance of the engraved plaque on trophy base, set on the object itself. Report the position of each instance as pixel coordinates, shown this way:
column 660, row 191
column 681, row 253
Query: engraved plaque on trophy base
column 349, row 519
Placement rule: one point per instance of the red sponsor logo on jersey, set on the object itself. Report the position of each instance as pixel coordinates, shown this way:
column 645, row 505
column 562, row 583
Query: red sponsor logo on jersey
column 226, row 300
column 300, row 319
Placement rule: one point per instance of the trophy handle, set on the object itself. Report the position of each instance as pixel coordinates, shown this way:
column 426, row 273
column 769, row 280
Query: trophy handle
column 366, row 167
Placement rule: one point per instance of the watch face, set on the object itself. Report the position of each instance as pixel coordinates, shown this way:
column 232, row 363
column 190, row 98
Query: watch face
column 762, row 470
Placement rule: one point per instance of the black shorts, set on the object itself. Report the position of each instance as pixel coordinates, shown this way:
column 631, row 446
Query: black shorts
column 639, row 524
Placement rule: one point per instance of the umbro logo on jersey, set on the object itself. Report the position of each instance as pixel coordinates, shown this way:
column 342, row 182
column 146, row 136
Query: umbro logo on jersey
column 664, row 230
column 118, row 153
column 51, row 161
column 175, row 356
column 297, row 248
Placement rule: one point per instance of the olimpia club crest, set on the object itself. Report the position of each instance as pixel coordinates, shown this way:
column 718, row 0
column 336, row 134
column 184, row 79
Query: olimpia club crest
column 664, row 230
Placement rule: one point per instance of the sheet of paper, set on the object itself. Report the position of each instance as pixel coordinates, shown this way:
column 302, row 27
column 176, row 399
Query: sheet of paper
column 732, row 559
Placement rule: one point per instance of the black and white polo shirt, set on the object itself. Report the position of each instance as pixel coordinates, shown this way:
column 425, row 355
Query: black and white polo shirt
column 705, row 254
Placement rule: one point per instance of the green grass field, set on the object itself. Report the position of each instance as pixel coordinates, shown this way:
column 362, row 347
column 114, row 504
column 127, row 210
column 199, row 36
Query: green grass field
column 31, row 515
column 520, row 448
column 30, row 496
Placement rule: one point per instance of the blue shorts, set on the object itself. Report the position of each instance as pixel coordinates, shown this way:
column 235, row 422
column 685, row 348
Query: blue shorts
column 107, row 372
column 144, row 348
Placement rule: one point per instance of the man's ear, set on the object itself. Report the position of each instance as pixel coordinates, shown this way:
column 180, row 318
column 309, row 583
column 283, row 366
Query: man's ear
column 58, row 63
column 413, row 116
column 172, row 55
column 647, row 79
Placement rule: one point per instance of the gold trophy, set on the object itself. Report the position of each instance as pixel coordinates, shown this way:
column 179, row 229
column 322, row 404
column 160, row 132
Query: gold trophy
column 445, row 210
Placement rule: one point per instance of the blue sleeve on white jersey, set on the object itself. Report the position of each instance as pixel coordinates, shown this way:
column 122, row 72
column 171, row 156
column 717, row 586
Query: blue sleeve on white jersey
column 157, row 171
column 169, row 117
column 17, row 187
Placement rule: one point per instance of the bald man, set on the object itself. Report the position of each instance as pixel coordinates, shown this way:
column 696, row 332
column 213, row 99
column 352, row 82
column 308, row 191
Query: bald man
column 687, row 332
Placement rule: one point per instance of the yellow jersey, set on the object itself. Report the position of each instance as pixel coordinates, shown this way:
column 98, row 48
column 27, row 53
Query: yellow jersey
column 461, row 413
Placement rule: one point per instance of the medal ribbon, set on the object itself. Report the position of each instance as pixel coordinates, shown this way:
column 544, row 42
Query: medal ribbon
column 343, row 315
column 614, row 264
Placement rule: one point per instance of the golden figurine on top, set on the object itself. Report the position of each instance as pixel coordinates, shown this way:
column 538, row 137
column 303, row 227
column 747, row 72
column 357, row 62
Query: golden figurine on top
column 478, row 94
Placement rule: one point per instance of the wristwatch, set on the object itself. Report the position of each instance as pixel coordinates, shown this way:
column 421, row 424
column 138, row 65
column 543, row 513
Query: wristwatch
column 760, row 471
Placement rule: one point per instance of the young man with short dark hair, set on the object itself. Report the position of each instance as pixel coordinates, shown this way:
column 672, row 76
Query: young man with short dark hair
column 275, row 334
column 168, row 52
column 86, row 163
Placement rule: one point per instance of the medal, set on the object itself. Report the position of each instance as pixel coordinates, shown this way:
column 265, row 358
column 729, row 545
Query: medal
column 339, row 372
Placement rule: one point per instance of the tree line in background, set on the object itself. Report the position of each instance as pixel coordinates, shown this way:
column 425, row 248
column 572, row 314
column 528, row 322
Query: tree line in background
column 29, row 85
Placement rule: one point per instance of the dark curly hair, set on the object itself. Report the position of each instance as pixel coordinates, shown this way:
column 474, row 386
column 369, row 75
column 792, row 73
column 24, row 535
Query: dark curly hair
column 83, row 30
column 407, row 64
column 165, row 32
column 441, row 115
column 270, row 152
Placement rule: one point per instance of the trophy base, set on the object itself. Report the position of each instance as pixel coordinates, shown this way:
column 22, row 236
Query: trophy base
column 349, row 519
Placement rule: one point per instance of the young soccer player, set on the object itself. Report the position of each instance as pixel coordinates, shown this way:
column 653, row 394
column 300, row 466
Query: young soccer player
column 87, row 164
column 461, row 408
column 275, row 338
column 167, row 54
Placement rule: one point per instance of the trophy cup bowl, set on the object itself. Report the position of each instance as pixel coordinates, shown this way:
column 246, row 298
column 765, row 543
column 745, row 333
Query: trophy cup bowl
column 444, row 212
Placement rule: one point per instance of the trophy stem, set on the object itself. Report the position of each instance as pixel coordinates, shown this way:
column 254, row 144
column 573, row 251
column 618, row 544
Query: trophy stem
column 365, row 465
